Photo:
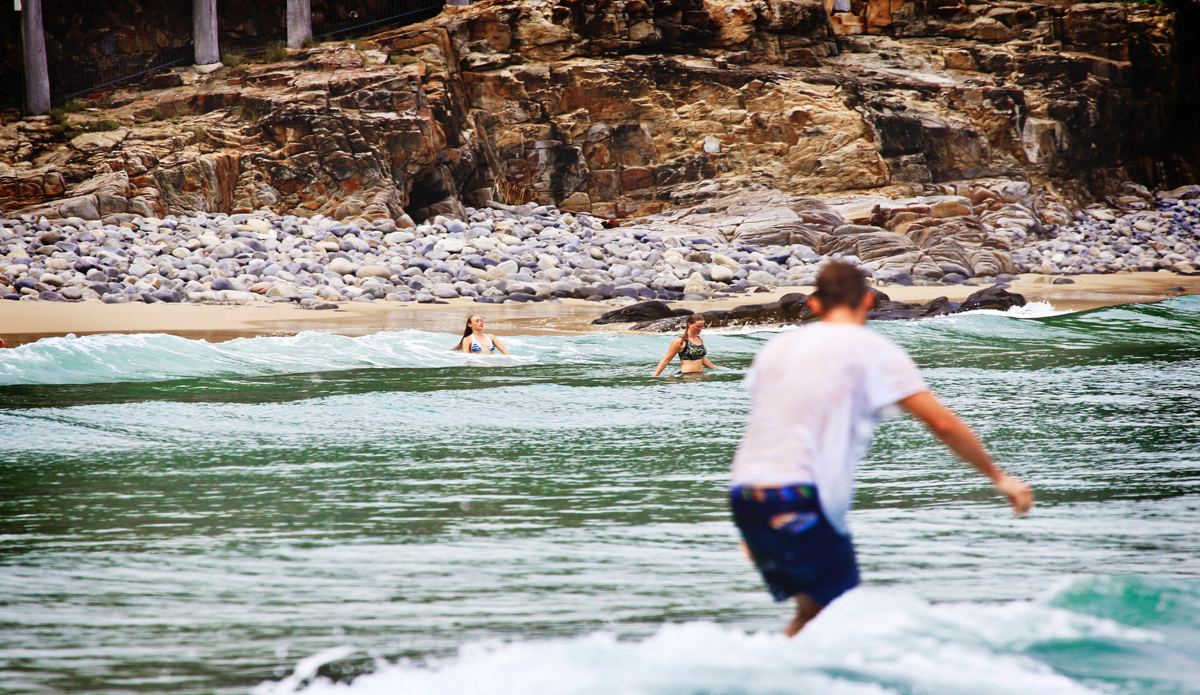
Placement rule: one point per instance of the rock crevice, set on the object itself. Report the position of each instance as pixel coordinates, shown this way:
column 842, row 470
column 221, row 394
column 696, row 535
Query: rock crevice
column 925, row 139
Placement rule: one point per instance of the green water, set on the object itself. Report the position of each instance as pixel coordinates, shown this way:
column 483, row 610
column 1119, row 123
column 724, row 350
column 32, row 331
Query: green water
column 179, row 517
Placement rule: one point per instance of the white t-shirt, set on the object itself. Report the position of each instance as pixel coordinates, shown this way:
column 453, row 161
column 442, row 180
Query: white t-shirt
column 817, row 393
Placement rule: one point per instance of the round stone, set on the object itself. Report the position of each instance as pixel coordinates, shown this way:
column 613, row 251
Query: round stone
column 450, row 245
column 373, row 271
column 762, row 277
column 341, row 266
column 720, row 273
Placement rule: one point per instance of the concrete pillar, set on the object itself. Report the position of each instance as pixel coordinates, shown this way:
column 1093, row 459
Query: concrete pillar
column 299, row 22
column 37, row 75
column 204, row 32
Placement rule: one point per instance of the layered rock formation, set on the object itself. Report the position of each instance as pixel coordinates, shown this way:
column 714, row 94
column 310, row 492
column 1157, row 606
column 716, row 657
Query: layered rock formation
column 1061, row 95
column 928, row 146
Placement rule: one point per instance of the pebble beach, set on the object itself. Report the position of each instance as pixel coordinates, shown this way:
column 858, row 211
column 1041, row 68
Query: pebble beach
column 506, row 253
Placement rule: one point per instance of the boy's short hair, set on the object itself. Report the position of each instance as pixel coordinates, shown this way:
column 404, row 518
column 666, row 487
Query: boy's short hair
column 840, row 284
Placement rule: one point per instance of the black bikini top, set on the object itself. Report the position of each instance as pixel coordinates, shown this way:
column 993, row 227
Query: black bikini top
column 692, row 352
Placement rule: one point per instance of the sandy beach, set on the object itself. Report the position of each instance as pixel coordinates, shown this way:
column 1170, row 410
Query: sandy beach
column 25, row 322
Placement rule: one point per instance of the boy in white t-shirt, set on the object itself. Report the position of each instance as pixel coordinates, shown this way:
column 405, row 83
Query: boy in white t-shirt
column 817, row 396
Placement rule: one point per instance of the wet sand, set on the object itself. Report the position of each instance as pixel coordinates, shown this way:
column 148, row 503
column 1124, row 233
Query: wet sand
column 24, row 322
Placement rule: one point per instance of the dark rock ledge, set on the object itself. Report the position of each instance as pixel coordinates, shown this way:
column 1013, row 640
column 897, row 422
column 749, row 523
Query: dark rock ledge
column 792, row 309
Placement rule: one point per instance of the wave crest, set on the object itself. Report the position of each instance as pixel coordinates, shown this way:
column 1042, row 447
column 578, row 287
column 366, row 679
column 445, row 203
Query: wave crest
column 868, row 642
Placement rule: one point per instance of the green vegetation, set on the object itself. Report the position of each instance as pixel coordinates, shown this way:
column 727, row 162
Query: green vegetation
column 160, row 114
column 277, row 52
column 403, row 59
column 244, row 112
column 200, row 132
column 310, row 42
column 72, row 106
column 234, row 62
column 61, row 125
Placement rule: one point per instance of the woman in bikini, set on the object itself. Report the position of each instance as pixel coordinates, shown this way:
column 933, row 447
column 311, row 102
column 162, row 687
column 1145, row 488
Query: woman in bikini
column 475, row 341
column 690, row 348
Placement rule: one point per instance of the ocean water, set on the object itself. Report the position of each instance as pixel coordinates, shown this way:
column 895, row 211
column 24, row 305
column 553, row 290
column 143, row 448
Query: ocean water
column 326, row 514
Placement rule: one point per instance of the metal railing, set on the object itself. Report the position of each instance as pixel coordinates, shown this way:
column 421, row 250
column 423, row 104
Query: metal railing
column 336, row 20
column 12, row 90
column 331, row 19
column 67, row 85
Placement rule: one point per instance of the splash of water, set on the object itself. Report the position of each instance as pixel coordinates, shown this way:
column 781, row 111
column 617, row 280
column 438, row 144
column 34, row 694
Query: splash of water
column 870, row 641
column 157, row 357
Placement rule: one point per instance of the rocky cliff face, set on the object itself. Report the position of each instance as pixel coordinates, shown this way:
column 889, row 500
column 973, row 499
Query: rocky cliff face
column 629, row 109
column 768, row 91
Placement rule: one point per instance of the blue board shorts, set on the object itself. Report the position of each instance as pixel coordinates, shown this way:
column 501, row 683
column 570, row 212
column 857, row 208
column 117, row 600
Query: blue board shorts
column 795, row 547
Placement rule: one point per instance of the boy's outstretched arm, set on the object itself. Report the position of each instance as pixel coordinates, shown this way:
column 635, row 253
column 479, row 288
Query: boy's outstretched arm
column 955, row 434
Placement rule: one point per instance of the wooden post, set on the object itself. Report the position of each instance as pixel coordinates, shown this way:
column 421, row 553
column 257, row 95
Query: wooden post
column 204, row 32
column 37, row 75
column 299, row 22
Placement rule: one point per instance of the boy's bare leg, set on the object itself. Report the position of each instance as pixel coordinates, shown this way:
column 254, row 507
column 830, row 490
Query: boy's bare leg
column 806, row 610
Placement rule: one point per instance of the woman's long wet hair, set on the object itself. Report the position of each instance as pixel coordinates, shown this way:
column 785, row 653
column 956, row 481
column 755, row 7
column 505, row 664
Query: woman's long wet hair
column 466, row 333
column 692, row 318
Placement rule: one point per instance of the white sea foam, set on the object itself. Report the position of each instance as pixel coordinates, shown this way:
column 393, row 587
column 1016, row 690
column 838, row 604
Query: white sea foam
column 749, row 330
column 154, row 357
column 150, row 357
column 158, row 357
column 871, row 641
column 1032, row 310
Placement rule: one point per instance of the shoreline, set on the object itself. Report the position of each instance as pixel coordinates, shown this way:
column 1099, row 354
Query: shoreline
column 27, row 322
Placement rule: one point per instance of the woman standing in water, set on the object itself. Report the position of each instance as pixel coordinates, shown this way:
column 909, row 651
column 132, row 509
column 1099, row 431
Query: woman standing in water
column 474, row 340
column 690, row 348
